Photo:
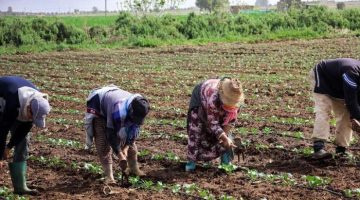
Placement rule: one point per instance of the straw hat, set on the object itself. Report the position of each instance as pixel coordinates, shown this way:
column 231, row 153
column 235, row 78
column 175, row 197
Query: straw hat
column 231, row 92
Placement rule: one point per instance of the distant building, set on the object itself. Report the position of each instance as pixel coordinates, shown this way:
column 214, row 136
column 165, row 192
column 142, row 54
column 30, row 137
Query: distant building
column 332, row 4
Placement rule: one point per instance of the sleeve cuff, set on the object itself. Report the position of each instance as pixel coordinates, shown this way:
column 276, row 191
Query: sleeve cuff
column 219, row 135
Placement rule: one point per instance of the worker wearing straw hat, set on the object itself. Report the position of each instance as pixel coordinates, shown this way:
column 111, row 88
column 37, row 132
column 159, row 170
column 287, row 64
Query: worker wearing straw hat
column 213, row 110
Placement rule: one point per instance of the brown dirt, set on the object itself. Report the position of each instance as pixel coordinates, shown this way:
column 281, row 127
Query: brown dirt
column 275, row 80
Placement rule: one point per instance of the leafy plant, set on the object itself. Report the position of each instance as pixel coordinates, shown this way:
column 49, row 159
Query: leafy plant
column 227, row 197
column 267, row 131
column 205, row 194
column 135, row 181
column 147, row 184
column 261, row 146
column 158, row 157
column 316, row 181
column 176, row 188
column 8, row 195
column 160, row 186
column 350, row 193
column 144, row 153
column 190, row 188
column 228, row 168
column 93, row 168
column 172, row 156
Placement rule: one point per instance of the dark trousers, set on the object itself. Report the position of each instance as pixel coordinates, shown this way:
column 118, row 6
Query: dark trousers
column 20, row 137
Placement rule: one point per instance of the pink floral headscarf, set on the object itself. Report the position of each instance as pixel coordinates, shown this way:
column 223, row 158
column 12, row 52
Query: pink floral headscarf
column 231, row 114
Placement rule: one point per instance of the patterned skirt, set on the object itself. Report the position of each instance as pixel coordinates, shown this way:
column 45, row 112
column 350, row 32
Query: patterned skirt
column 202, row 145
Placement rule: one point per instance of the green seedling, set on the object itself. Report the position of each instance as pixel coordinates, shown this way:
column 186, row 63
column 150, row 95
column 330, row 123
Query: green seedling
column 351, row 193
column 158, row 157
column 66, row 98
column 261, row 146
column 180, row 136
column 172, row 156
column 205, row 194
column 316, row 181
column 160, row 186
column 144, row 153
column 147, row 184
column 267, row 131
column 307, row 151
column 285, row 178
column 8, row 195
column 135, row 181
column 299, row 135
column 228, row 168
column 227, row 197
column 93, row 168
column 176, row 188
column 190, row 188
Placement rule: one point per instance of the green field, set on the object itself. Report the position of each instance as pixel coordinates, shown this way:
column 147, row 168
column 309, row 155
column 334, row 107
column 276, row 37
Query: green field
column 37, row 34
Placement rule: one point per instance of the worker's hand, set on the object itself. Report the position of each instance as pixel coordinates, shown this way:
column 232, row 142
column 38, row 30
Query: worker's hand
column 227, row 129
column 2, row 163
column 355, row 124
column 226, row 141
column 123, row 165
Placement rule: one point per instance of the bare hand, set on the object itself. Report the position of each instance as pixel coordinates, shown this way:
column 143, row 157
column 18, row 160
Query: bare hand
column 227, row 129
column 2, row 164
column 122, row 156
column 355, row 124
column 227, row 142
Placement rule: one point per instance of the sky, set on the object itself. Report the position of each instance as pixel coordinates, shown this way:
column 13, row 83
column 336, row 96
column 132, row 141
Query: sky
column 84, row 5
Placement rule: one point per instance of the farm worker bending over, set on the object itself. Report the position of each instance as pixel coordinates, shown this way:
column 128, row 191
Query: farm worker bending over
column 113, row 118
column 336, row 88
column 213, row 110
column 21, row 106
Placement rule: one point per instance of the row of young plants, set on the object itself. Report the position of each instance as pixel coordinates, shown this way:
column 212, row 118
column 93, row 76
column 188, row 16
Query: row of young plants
column 191, row 190
column 64, row 121
column 275, row 119
column 59, row 141
column 285, row 178
column 136, row 182
column 169, row 156
column 308, row 181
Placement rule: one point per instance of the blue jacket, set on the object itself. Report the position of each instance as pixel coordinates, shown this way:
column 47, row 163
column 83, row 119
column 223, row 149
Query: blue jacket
column 113, row 105
column 9, row 110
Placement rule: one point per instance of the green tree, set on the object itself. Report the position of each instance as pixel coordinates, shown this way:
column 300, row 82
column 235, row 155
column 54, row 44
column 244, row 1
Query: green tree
column 173, row 4
column 203, row 4
column 262, row 3
column 144, row 5
column 340, row 5
column 212, row 5
column 284, row 5
column 220, row 5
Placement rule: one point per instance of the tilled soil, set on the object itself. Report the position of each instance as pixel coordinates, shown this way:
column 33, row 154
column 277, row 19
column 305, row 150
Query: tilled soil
column 274, row 76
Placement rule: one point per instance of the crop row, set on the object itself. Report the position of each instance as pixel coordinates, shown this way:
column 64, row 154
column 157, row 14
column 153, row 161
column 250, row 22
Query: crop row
column 136, row 182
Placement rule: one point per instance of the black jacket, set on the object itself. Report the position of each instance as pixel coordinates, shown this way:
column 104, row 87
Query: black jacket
column 9, row 112
column 340, row 78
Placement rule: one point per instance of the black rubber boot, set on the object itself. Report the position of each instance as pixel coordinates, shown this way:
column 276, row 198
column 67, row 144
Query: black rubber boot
column 319, row 152
column 340, row 151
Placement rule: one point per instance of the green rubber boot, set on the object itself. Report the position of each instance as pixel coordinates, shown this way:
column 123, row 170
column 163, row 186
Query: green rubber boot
column 18, row 178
